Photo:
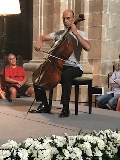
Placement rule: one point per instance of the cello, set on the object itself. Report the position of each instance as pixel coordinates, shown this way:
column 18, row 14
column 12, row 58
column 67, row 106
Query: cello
column 48, row 75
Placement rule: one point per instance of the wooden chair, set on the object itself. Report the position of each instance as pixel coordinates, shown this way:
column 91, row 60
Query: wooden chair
column 77, row 82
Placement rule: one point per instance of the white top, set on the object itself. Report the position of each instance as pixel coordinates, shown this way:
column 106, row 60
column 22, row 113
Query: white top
column 74, row 59
column 114, row 82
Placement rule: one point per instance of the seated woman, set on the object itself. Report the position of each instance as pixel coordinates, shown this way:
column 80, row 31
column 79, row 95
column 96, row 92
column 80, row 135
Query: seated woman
column 109, row 99
column 16, row 77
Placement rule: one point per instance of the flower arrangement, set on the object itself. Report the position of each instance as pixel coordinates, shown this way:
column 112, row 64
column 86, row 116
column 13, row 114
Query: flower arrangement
column 102, row 145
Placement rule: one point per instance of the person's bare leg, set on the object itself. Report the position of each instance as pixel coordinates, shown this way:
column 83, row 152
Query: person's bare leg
column 31, row 92
column 2, row 94
column 118, row 105
column 13, row 92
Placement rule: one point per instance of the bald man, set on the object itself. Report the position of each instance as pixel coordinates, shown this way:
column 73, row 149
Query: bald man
column 72, row 67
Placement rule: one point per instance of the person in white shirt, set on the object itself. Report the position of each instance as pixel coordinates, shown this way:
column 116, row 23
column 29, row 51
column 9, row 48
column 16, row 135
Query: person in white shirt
column 110, row 99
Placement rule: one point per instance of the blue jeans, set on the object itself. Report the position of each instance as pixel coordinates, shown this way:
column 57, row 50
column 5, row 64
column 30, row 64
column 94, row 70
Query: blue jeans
column 108, row 98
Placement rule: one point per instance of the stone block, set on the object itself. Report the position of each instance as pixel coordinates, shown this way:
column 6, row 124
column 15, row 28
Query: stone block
column 95, row 51
column 48, row 2
column 84, row 56
column 48, row 10
column 105, row 50
column 115, row 47
column 36, row 10
column 105, row 5
column 113, row 34
column 96, row 67
column 106, row 67
column 96, row 80
column 31, row 66
column 95, row 6
column 114, row 21
column 83, row 94
column 87, row 68
column 114, row 6
column 104, row 83
column 29, row 74
column 35, row 2
column 105, row 19
column 95, row 19
column 95, row 32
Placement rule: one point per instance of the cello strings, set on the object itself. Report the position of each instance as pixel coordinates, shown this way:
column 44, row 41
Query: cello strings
column 57, row 57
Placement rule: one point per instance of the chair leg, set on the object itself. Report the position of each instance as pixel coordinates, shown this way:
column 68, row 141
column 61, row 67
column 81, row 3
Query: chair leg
column 95, row 100
column 76, row 98
column 50, row 97
column 90, row 96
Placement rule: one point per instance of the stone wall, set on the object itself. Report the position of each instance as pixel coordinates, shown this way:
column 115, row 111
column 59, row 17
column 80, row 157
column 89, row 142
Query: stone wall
column 104, row 32
column 101, row 26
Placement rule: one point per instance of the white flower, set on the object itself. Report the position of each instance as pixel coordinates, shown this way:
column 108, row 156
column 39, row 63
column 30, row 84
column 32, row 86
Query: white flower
column 66, row 153
column 97, row 152
column 75, row 153
column 60, row 141
column 118, row 139
column 28, row 142
column 4, row 154
column 23, row 154
column 101, row 144
column 96, row 144
column 87, row 149
column 72, row 140
column 46, row 154
column 54, row 151
column 59, row 157
column 9, row 145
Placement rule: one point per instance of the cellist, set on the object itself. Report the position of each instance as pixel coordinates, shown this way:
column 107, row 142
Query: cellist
column 72, row 67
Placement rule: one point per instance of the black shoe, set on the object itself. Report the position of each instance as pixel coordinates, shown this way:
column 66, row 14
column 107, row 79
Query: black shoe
column 105, row 107
column 64, row 114
column 8, row 98
column 41, row 109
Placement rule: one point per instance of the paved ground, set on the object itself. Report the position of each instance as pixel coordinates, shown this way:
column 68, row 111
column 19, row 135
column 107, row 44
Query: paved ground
column 17, row 125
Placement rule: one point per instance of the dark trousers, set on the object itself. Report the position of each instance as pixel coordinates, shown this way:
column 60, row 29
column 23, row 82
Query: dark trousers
column 40, row 94
column 68, row 74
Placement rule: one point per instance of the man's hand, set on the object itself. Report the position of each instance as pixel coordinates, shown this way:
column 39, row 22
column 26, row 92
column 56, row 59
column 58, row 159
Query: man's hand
column 20, row 84
column 40, row 41
column 84, row 43
column 74, row 29
column 38, row 45
column 117, row 81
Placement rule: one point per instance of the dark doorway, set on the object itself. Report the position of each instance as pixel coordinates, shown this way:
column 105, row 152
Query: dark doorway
column 20, row 31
